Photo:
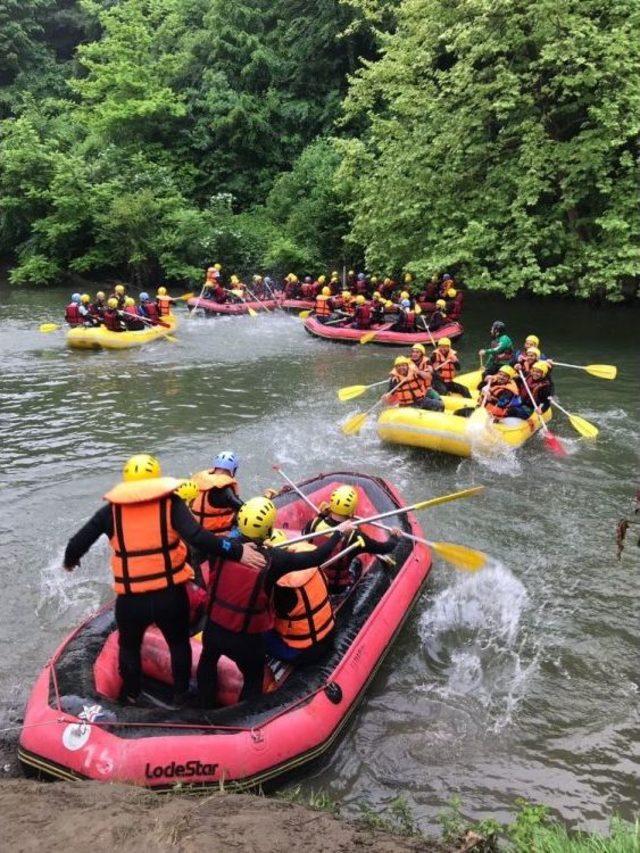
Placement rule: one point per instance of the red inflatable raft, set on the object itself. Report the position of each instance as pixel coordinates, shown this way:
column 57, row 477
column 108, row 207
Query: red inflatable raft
column 230, row 308
column 350, row 335
column 74, row 729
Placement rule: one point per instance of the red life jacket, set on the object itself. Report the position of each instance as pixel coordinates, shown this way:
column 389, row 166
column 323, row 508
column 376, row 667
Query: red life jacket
column 111, row 320
column 454, row 306
column 361, row 288
column 150, row 311
column 408, row 320
column 537, row 387
column 238, row 601
column 363, row 316
column 72, row 314
column 448, row 372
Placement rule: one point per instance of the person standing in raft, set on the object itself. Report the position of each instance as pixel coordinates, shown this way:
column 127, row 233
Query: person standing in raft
column 120, row 294
column 218, row 503
column 164, row 302
column 446, row 365
column 500, row 353
column 344, row 572
column 239, row 609
column 147, row 526
column 304, row 620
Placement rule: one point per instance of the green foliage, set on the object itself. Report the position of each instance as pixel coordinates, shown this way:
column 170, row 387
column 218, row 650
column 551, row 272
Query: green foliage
column 502, row 141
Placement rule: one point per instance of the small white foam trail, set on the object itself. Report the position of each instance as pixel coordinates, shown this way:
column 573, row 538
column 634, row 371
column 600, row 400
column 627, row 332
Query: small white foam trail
column 473, row 636
column 75, row 593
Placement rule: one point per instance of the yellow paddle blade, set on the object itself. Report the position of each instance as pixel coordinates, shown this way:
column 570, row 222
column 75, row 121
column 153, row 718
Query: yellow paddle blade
column 368, row 336
column 465, row 493
column 171, row 338
column 237, row 292
column 354, row 424
column 304, row 314
column 602, row 371
column 480, row 417
column 585, row 429
column 460, row 556
column 49, row 327
column 185, row 296
column 251, row 312
column 350, row 392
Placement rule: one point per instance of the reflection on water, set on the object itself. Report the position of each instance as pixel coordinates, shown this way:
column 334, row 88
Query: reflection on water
column 518, row 681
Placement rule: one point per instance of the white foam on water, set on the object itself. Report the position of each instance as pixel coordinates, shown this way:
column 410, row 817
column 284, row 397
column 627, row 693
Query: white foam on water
column 473, row 635
column 74, row 593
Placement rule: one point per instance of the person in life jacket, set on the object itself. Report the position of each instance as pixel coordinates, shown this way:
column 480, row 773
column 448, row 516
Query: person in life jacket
column 431, row 290
column 292, row 287
column 362, row 285
column 72, row 313
column 164, row 302
column 529, row 341
column 377, row 308
column 240, row 611
column 344, row 572
column 362, row 315
column 307, row 288
column 446, row 365
column 454, row 300
column 218, row 503
column 541, row 386
column 148, row 309
column 147, row 525
column 119, row 293
column 446, row 284
column 410, row 386
column 211, row 281
column 438, row 318
column 84, row 309
column 406, row 321
column 323, row 305
column 130, row 316
column 500, row 353
column 304, row 625
column 111, row 317
column 98, row 306
column 351, row 282
column 502, row 393
column 527, row 359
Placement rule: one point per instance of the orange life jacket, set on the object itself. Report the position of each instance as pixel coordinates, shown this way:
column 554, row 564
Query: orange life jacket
column 212, row 518
column 164, row 305
column 448, row 372
column 311, row 618
column 495, row 393
column 148, row 553
column 412, row 389
column 238, row 601
column 323, row 306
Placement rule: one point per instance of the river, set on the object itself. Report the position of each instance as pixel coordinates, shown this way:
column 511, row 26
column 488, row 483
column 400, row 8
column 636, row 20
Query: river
column 520, row 681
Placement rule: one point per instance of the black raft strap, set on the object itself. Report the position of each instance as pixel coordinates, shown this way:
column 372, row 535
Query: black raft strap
column 165, row 509
column 309, row 613
column 122, row 553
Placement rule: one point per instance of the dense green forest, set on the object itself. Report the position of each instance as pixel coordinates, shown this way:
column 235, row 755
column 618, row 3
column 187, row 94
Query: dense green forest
column 496, row 139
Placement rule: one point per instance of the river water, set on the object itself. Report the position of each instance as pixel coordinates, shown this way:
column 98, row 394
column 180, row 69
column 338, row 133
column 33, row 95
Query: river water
column 520, row 681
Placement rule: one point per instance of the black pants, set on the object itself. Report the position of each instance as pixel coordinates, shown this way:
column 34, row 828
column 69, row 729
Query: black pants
column 457, row 388
column 169, row 610
column 247, row 651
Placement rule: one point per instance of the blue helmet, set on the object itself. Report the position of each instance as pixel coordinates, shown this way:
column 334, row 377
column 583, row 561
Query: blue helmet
column 446, row 277
column 75, row 297
column 144, row 296
column 361, row 276
column 228, row 461
column 405, row 303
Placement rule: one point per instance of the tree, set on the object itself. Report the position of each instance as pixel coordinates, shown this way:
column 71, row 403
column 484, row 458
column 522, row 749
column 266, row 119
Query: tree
column 502, row 141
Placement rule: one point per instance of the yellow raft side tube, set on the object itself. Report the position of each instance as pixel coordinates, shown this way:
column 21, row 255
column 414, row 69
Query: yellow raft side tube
column 448, row 433
column 97, row 337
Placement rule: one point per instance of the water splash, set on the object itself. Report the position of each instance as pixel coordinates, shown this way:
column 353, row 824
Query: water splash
column 474, row 640
column 69, row 594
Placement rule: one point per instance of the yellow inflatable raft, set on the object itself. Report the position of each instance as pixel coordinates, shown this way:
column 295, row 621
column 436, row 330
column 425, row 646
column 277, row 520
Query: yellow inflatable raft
column 97, row 337
column 449, row 433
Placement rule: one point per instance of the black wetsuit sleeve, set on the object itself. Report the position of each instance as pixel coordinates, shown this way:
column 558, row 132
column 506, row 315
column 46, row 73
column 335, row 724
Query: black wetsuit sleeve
column 194, row 535
column 283, row 561
column 99, row 523
column 220, row 498
column 374, row 546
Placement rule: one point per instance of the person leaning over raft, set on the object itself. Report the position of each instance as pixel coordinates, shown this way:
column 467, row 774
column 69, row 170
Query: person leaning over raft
column 239, row 609
column 500, row 353
column 147, row 526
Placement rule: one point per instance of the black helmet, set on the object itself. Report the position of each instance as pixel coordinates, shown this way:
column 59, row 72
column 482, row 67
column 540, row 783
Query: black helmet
column 498, row 328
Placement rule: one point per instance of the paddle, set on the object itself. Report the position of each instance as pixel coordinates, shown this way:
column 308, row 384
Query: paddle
column 148, row 322
column 304, row 314
column 602, row 371
column 48, row 327
column 255, row 299
column 183, row 298
column 458, row 555
column 464, row 493
column 369, row 336
column 239, row 295
column 585, row 429
column 195, row 307
column 350, row 392
column 355, row 424
column 551, row 441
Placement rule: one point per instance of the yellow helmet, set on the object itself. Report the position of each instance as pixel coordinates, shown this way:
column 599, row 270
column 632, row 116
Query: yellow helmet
column 387, row 281
column 326, row 291
column 400, row 359
column 235, row 279
column 344, row 501
column 188, row 491
column 452, row 292
column 377, row 295
column 408, row 278
column 388, row 304
column 257, row 278
column 351, row 273
column 360, row 300
column 119, row 288
column 420, row 348
column 532, row 340
column 294, row 279
column 322, row 279
column 440, row 303
column 506, row 368
column 289, row 276
column 404, row 294
column 417, row 310
column 335, row 274
column 112, row 303
column 256, row 518
column 346, row 294
column 100, row 294
column 129, row 301
column 142, row 466
column 278, row 537
column 542, row 366
column 217, row 267
column 444, row 342
column 162, row 291
column 85, row 298
column 374, row 279
column 534, row 351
